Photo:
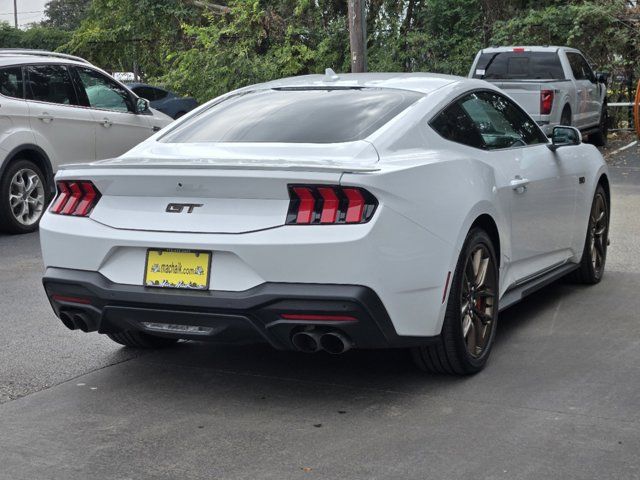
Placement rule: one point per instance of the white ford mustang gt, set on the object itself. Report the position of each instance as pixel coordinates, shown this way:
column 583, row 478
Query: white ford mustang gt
column 329, row 212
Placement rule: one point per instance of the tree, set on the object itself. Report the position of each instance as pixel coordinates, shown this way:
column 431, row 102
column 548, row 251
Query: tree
column 65, row 14
column 36, row 37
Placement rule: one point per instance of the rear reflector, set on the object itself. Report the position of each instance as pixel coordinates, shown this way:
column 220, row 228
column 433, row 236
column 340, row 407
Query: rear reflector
column 75, row 197
column 66, row 299
column 546, row 101
column 321, row 318
column 329, row 205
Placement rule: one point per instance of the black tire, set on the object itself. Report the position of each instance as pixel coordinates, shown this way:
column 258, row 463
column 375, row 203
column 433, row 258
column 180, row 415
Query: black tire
column 450, row 353
column 591, row 270
column 179, row 114
column 9, row 222
column 599, row 139
column 565, row 118
column 135, row 339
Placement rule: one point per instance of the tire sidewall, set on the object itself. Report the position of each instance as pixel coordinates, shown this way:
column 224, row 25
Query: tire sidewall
column 8, row 222
column 476, row 237
column 586, row 254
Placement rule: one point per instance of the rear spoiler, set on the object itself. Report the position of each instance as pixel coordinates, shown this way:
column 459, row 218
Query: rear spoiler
column 221, row 165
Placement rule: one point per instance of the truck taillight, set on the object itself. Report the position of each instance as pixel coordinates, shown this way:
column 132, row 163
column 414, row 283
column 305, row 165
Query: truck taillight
column 75, row 197
column 329, row 205
column 546, row 101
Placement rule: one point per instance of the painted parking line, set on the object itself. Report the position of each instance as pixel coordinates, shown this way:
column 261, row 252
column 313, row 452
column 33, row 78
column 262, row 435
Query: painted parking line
column 624, row 148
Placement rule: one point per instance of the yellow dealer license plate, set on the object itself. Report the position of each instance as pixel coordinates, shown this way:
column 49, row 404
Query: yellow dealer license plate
column 177, row 269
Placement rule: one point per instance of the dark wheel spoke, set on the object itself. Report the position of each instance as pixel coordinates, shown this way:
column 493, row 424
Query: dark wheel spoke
column 477, row 298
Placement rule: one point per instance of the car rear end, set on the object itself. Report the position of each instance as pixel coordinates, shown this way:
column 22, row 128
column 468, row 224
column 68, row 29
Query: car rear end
column 289, row 243
column 530, row 75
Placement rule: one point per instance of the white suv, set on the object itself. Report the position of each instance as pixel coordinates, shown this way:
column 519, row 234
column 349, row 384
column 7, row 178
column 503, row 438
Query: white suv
column 56, row 109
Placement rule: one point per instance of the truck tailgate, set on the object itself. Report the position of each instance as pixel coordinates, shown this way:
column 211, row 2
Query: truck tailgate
column 526, row 94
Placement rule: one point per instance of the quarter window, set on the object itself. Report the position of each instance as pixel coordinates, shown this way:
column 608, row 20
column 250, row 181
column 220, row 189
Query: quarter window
column 50, row 83
column 500, row 122
column 11, row 82
column 454, row 125
column 103, row 93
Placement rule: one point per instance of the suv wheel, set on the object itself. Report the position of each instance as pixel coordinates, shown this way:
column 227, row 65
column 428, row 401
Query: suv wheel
column 22, row 197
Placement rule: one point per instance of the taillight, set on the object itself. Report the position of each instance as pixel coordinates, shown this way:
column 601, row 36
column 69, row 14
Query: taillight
column 546, row 101
column 75, row 197
column 329, row 205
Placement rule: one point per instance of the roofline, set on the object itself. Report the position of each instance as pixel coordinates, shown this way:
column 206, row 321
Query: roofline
column 41, row 53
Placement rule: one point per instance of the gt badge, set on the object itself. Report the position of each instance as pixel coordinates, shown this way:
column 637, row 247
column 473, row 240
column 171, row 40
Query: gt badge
column 181, row 207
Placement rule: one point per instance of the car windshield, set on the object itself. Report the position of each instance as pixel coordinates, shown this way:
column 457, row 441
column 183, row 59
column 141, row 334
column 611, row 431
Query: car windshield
column 519, row 65
column 295, row 115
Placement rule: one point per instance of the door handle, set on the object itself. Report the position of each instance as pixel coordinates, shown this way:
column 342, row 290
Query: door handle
column 519, row 184
column 46, row 117
column 106, row 122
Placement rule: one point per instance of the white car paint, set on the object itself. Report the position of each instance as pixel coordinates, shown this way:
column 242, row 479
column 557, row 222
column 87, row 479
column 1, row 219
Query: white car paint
column 430, row 191
column 68, row 133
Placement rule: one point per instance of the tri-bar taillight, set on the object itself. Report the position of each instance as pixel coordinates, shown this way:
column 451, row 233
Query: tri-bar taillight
column 75, row 197
column 329, row 205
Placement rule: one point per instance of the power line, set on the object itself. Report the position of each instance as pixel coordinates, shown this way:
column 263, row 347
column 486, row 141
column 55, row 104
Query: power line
column 20, row 13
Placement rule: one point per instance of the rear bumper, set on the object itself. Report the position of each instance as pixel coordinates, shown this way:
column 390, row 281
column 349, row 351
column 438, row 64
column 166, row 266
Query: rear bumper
column 252, row 315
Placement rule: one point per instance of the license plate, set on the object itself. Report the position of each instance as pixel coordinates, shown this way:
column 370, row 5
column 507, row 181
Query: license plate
column 186, row 269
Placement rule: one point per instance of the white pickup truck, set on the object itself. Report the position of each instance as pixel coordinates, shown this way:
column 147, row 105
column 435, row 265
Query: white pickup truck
column 555, row 85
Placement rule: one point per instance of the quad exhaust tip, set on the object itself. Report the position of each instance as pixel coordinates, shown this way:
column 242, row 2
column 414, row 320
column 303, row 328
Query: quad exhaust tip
column 333, row 342
column 78, row 321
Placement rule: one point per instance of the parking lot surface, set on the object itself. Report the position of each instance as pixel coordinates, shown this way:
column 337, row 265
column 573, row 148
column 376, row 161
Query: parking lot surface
column 560, row 398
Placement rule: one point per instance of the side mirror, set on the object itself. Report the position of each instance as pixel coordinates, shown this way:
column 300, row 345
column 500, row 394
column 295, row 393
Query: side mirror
column 564, row 136
column 602, row 77
column 142, row 106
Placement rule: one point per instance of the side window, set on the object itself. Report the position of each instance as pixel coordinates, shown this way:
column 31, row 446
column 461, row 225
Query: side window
column 454, row 125
column 50, row 83
column 159, row 94
column 104, row 93
column 500, row 122
column 11, row 82
column 586, row 69
column 580, row 67
column 145, row 92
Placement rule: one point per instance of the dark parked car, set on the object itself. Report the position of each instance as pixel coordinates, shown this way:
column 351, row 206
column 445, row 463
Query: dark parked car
column 165, row 101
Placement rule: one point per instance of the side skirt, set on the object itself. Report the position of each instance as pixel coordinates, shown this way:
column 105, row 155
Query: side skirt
column 517, row 292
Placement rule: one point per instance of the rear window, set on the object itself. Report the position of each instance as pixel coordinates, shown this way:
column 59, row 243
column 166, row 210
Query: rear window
column 295, row 116
column 519, row 66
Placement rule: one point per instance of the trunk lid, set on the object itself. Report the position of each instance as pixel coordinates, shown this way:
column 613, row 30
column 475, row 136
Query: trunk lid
column 212, row 189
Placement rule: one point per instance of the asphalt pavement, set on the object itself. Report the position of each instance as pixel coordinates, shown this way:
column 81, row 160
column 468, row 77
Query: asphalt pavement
column 560, row 398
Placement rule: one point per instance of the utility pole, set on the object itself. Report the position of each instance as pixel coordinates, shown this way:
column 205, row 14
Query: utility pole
column 358, row 36
column 15, row 13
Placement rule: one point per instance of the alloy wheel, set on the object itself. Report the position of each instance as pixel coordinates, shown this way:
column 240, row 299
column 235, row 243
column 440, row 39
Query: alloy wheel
column 478, row 298
column 26, row 196
column 598, row 224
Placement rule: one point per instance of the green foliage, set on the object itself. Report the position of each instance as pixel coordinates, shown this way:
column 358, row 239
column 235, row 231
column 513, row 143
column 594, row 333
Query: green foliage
column 65, row 14
column 253, row 44
column 597, row 28
column 201, row 49
column 133, row 36
column 36, row 37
